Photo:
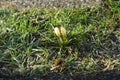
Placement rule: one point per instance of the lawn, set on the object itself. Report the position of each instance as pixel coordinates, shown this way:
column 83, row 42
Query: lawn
column 42, row 41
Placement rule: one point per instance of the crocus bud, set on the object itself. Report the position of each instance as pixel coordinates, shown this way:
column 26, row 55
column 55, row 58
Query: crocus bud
column 57, row 31
column 63, row 32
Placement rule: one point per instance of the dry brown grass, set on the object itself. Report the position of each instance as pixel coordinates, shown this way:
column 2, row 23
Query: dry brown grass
column 9, row 5
column 23, row 4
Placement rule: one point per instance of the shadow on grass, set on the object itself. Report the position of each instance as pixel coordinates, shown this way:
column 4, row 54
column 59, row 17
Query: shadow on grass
column 104, row 75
